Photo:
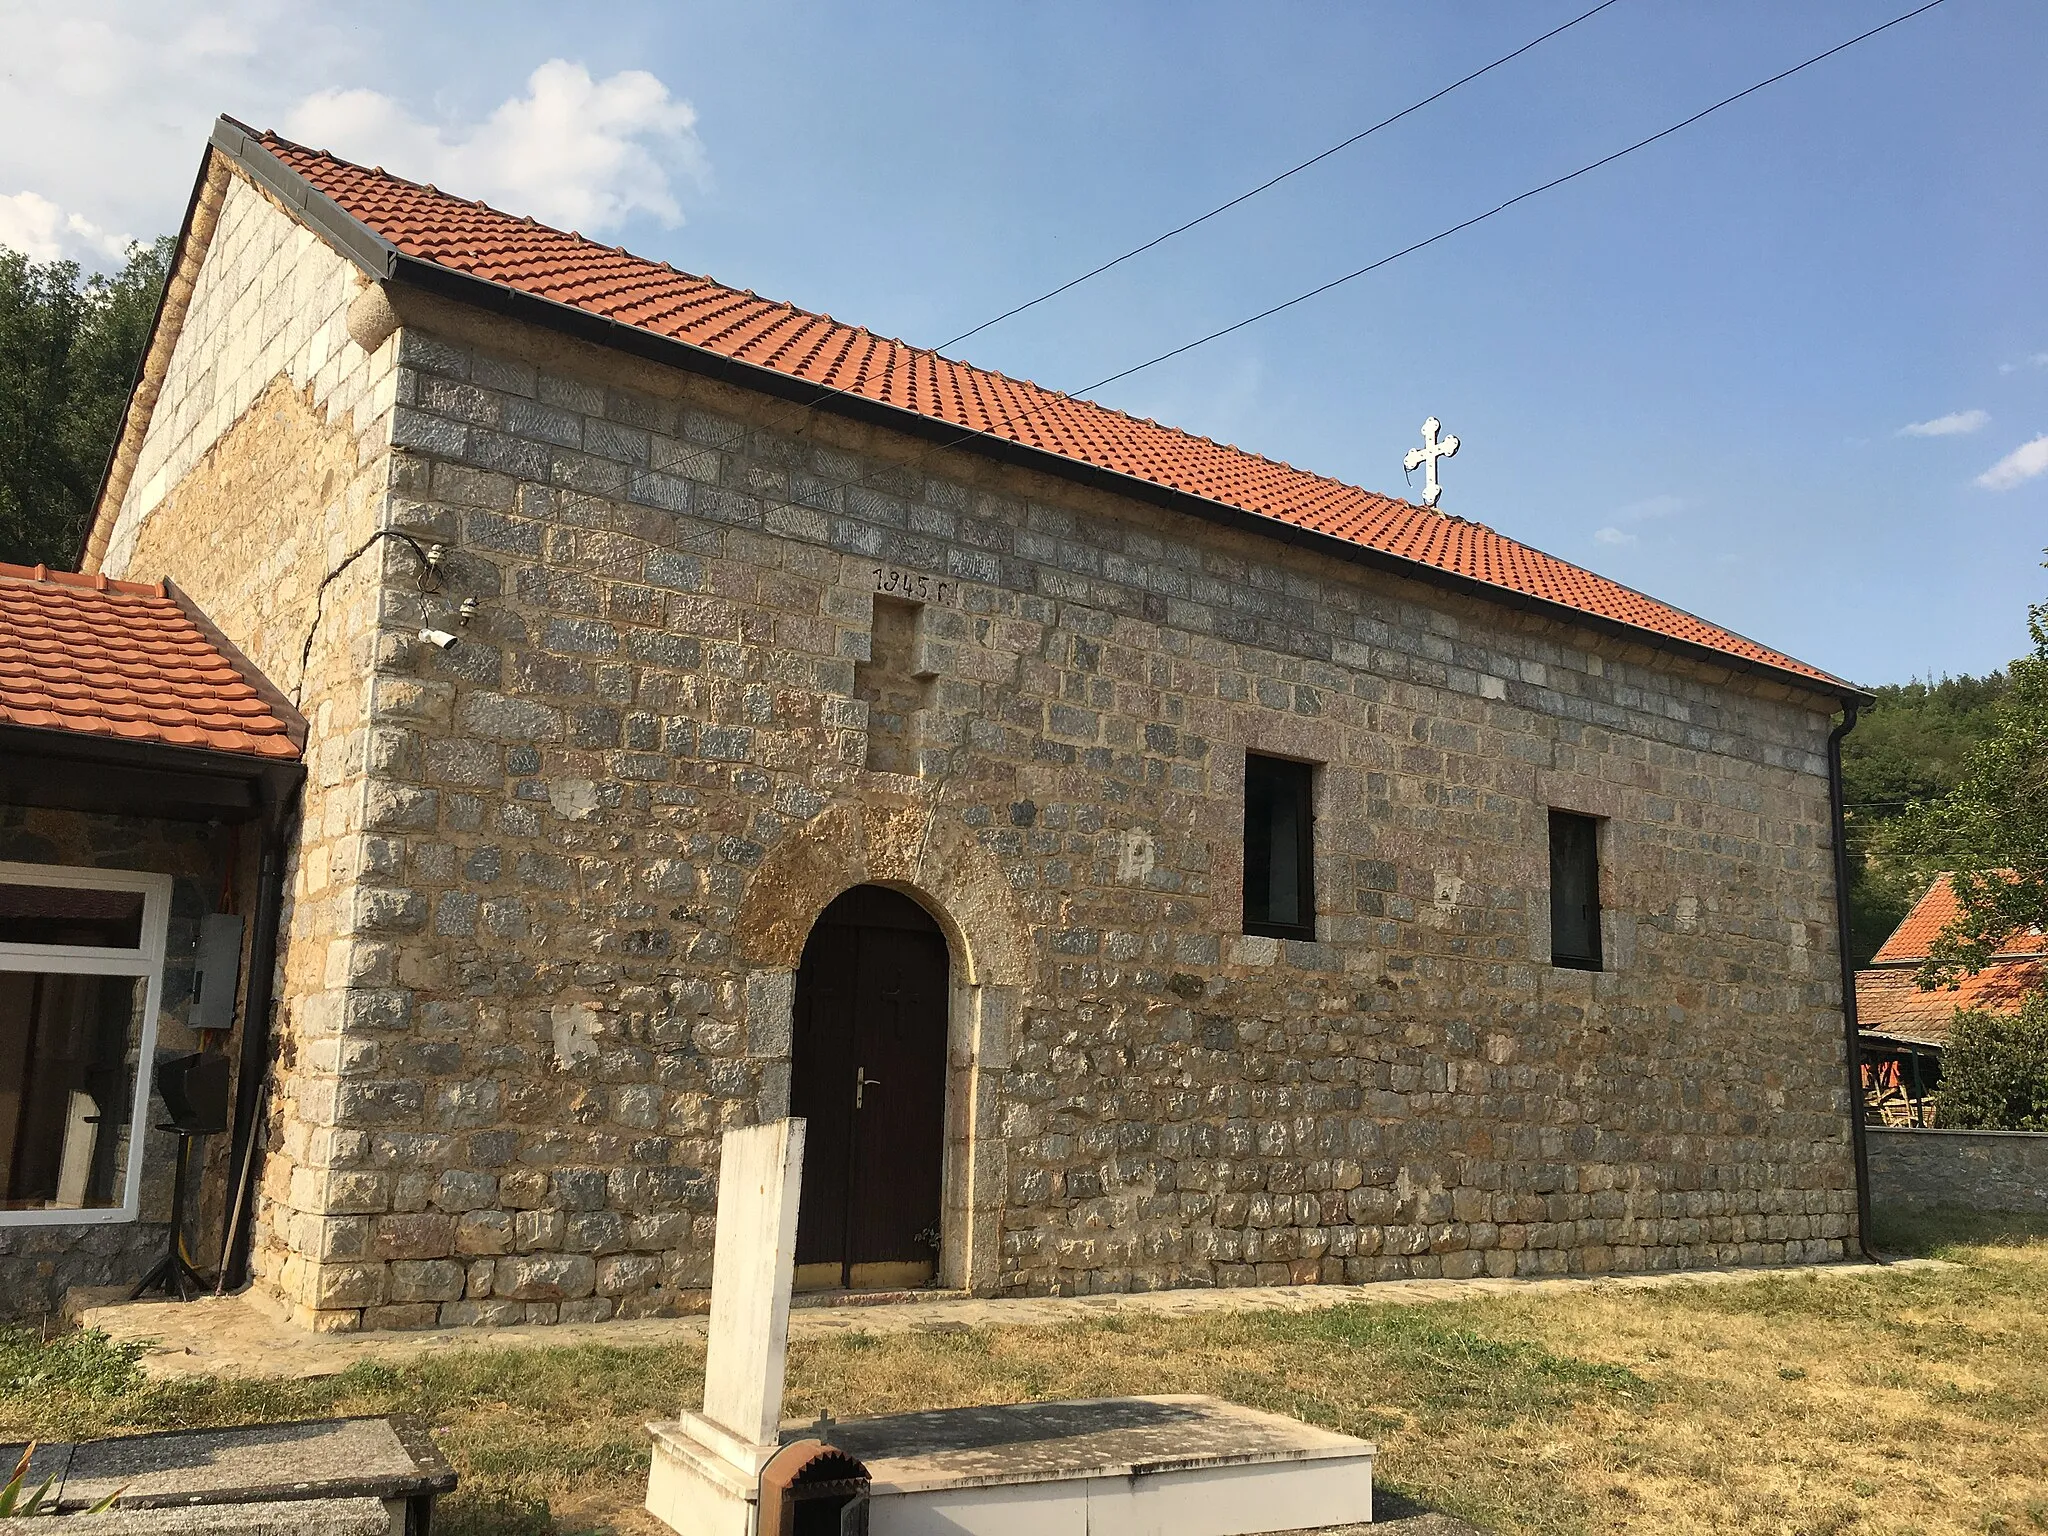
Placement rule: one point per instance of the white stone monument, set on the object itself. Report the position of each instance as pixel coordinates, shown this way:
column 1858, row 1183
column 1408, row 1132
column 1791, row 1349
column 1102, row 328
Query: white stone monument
column 1127, row 1466
column 707, row 1466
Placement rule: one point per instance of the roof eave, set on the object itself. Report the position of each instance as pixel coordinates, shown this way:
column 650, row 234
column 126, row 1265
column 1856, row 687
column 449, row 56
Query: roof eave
column 382, row 260
column 122, row 776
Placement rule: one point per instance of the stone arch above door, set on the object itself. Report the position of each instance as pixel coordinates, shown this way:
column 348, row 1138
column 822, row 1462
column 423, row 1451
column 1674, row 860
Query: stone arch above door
column 947, row 872
column 906, row 847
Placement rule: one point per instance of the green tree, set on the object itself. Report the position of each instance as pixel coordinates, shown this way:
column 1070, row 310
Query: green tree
column 1994, row 1070
column 69, row 348
column 1991, row 828
column 1909, row 746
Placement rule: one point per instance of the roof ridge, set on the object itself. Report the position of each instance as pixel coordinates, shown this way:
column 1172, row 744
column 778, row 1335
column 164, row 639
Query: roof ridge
column 272, row 136
column 564, row 272
column 98, row 581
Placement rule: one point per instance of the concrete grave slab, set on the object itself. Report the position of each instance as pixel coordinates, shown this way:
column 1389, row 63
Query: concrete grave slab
column 296, row 1517
column 391, row 1461
column 1127, row 1466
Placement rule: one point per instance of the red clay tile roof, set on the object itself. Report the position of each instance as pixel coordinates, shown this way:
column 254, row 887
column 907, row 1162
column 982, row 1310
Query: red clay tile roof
column 1932, row 913
column 1888, row 1003
column 121, row 658
column 532, row 258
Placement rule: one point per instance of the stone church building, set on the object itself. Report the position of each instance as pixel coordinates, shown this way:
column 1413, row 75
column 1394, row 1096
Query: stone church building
column 1143, row 863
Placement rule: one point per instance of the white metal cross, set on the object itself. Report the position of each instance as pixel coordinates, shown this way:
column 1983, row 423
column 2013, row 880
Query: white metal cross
column 1425, row 457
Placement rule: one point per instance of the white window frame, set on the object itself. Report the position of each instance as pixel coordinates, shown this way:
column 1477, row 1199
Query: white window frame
column 145, row 961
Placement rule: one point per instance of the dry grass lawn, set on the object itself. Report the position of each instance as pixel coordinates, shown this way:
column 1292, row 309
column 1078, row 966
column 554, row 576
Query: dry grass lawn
column 1867, row 1402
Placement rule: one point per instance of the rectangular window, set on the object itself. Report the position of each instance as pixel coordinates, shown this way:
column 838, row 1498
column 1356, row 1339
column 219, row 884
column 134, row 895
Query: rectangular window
column 1279, row 848
column 1574, row 891
column 81, row 963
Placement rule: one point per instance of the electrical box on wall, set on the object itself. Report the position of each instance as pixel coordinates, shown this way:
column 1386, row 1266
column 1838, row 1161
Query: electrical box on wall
column 217, row 972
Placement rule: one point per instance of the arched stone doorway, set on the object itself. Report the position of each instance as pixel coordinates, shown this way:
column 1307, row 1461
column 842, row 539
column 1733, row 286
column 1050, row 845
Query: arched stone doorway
column 868, row 1074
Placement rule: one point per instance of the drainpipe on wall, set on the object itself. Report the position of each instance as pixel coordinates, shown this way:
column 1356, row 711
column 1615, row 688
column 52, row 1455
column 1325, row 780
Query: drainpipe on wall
column 254, row 1069
column 1853, row 1051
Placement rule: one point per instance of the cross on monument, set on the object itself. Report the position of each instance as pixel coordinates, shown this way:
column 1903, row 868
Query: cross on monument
column 1425, row 457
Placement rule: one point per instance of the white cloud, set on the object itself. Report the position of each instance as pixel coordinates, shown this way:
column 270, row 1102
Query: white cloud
column 581, row 153
column 2038, row 360
column 41, row 231
column 1650, row 508
column 1954, row 424
column 2016, row 468
column 105, row 105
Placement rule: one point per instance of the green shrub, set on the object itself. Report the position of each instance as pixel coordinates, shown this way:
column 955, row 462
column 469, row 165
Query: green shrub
column 1994, row 1070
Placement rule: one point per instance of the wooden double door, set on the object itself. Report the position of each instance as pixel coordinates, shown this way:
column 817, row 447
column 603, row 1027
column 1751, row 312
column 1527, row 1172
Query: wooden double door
column 868, row 1074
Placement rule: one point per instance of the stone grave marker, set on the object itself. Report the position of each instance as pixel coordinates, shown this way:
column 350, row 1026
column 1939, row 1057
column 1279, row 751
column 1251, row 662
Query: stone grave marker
column 1149, row 1466
column 707, row 1465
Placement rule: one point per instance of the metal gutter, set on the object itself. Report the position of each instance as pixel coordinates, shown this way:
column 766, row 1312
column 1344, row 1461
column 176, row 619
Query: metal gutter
column 382, row 260
column 348, row 234
column 1851, row 1043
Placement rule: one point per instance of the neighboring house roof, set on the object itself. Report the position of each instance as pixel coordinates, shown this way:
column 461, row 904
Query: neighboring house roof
column 132, row 660
column 398, row 229
column 1890, row 1004
column 1909, row 942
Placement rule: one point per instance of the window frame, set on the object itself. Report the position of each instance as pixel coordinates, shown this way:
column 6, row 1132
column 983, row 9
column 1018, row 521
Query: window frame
column 1595, row 963
column 145, row 961
column 1305, row 931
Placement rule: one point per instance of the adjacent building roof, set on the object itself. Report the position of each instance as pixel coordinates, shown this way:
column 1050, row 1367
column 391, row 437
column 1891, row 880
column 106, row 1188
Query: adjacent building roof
column 385, row 221
column 1909, row 942
column 1891, row 1004
column 1889, row 1001
column 128, row 659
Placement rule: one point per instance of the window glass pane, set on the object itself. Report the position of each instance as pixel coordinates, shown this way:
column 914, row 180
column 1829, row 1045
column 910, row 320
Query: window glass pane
column 1279, row 895
column 70, row 914
column 68, row 1047
column 1574, row 890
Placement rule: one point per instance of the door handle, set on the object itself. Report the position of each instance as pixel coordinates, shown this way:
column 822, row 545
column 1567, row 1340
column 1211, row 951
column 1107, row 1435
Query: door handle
column 862, row 1083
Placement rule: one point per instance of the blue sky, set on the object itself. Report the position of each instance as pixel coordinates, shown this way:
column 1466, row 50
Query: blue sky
column 1691, row 371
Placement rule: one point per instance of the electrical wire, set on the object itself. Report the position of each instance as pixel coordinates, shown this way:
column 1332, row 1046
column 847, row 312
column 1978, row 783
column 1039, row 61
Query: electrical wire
column 429, row 558
column 1272, row 181
column 1443, row 234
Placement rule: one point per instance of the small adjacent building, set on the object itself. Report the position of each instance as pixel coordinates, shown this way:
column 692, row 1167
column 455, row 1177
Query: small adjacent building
column 145, row 772
column 1142, row 862
column 1905, row 1029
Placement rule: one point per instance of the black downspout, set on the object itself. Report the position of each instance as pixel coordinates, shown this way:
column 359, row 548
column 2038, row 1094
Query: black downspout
column 254, row 1069
column 1853, row 1048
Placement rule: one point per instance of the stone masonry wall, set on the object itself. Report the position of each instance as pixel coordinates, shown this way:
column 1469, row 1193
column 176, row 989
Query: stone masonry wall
column 265, row 469
column 1918, row 1167
column 595, row 833
column 38, row 1264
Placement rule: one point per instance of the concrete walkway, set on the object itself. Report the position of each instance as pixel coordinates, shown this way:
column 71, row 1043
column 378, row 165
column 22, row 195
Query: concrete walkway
column 242, row 1336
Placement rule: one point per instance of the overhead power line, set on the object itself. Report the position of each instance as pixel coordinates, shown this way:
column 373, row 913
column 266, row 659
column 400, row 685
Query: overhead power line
column 1500, row 208
column 829, row 391
column 1271, row 181
column 1443, row 234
